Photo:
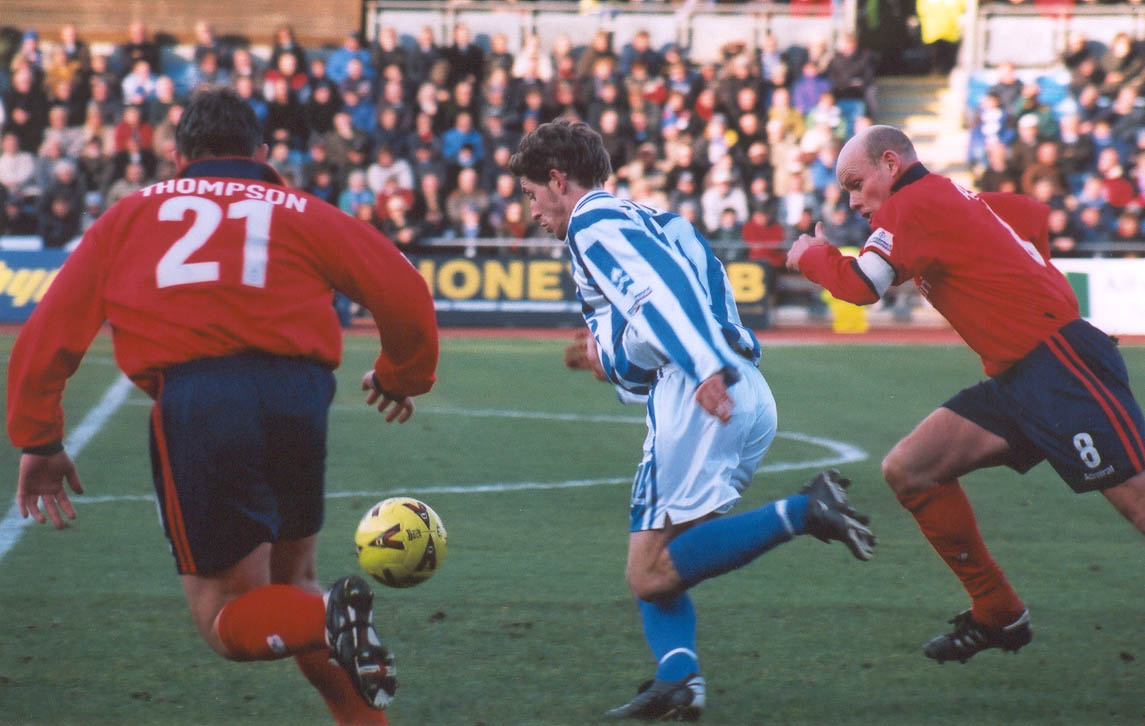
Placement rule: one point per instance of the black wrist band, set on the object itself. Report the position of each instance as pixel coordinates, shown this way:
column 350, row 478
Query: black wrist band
column 44, row 449
column 384, row 392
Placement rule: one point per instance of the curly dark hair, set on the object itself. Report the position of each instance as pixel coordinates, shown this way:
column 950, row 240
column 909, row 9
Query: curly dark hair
column 570, row 147
column 217, row 122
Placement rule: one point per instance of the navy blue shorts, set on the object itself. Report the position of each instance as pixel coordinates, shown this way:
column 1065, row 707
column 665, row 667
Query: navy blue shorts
column 238, row 455
column 1067, row 402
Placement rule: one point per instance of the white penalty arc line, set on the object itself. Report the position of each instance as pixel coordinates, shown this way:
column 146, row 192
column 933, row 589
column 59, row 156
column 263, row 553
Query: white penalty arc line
column 840, row 453
column 485, row 413
column 13, row 524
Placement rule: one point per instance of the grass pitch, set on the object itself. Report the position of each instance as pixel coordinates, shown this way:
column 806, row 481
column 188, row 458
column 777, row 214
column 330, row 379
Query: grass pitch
column 529, row 620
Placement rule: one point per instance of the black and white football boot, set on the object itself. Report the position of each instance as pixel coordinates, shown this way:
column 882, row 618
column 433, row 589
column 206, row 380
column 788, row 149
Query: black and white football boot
column 831, row 517
column 354, row 644
column 658, row 700
column 970, row 637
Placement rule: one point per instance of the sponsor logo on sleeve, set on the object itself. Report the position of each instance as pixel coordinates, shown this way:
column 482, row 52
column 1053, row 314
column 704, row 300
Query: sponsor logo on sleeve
column 882, row 240
column 639, row 301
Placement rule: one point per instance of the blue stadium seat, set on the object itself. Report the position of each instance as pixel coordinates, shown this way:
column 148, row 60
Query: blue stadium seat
column 177, row 68
column 976, row 87
column 1054, row 89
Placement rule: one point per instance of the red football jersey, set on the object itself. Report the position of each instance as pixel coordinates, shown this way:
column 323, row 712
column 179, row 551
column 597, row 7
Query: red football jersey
column 221, row 260
column 982, row 260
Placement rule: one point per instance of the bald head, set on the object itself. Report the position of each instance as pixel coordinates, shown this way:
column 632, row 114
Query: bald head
column 870, row 163
column 872, row 142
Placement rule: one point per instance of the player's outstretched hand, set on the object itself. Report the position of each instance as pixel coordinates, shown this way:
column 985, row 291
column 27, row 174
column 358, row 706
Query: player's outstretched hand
column 802, row 244
column 400, row 407
column 42, row 479
column 581, row 354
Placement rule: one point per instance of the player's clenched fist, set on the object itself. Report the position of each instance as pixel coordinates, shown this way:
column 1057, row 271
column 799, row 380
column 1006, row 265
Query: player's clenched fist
column 802, row 244
column 581, row 354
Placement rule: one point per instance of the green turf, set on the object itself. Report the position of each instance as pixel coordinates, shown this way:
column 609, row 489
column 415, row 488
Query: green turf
column 529, row 621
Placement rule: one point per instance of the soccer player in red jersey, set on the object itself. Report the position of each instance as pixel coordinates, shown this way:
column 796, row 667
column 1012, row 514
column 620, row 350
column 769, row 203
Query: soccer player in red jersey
column 1057, row 389
column 218, row 288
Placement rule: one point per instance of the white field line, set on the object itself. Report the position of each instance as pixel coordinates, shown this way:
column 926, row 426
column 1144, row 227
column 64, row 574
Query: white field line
column 13, row 524
column 839, row 452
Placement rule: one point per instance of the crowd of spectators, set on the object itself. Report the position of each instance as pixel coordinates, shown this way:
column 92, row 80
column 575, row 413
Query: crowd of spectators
column 413, row 135
column 1078, row 146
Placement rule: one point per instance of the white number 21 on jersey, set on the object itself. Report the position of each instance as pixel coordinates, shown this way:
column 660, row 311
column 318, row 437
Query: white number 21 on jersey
column 173, row 268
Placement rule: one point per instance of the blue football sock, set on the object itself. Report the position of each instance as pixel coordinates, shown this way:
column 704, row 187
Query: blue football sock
column 723, row 544
column 670, row 629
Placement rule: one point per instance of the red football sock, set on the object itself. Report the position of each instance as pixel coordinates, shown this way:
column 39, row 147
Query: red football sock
column 334, row 684
column 271, row 622
column 947, row 521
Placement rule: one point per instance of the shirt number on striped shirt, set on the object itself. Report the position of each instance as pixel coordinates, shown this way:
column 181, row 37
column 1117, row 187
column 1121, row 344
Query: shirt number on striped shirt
column 173, row 268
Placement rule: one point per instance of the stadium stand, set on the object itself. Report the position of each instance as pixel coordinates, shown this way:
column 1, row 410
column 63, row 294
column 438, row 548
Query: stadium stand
column 731, row 123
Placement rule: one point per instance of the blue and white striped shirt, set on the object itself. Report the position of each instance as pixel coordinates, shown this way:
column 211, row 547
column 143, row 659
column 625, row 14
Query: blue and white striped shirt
column 652, row 294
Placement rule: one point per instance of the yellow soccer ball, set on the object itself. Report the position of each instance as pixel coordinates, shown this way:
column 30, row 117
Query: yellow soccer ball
column 401, row 542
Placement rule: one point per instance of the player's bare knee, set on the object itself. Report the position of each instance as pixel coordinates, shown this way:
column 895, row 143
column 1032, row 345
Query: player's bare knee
column 896, row 473
column 649, row 584
column 903, row 476
column 653, row 590
column 638, row 582
column 210, row 635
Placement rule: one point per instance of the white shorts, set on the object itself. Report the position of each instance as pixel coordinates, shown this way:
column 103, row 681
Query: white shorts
column 693, row 464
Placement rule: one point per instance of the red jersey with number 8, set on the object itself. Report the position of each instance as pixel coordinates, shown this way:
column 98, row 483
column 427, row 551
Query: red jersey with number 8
column 221, row 260
column 982, row 261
